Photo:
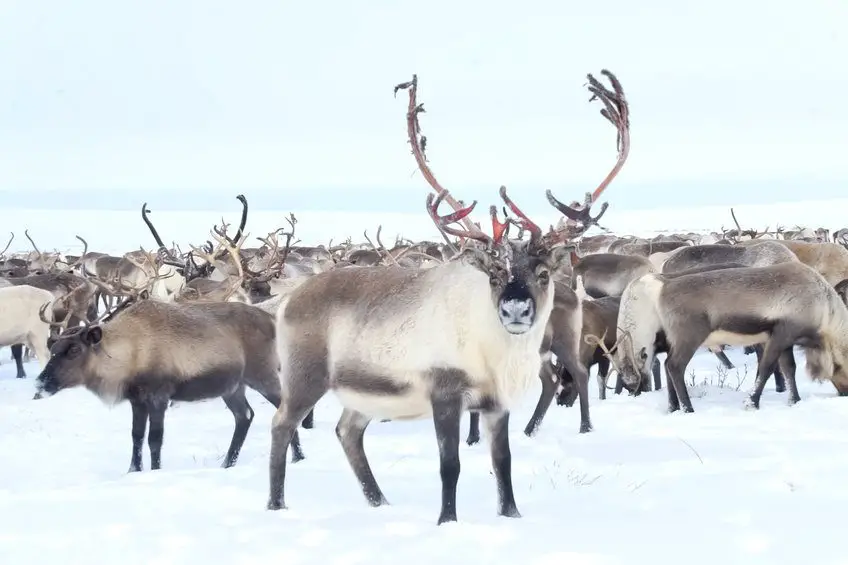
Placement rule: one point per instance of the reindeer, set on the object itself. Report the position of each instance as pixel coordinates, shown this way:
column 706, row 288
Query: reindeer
column 607, row 274
column 830, row 260
column 397, row 343
column 779, row 306
column 75, row 302
column 842, row 289
column 150, row 352
column 645, row 248
column 22, row 310
column 40, row 263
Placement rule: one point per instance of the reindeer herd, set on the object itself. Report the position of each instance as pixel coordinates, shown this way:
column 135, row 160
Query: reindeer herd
column 426, row 329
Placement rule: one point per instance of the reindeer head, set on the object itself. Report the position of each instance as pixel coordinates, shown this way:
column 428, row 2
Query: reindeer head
column 520, row 272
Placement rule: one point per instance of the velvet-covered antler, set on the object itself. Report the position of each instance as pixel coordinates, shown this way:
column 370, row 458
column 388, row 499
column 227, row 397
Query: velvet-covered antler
column 617, row 111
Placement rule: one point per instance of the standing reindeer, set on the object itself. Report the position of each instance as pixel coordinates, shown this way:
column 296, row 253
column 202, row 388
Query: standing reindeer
column 151, row 352
column 397, row 343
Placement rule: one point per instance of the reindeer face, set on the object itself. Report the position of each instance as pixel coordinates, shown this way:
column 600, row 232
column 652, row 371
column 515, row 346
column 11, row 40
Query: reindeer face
column 520, row 276
column 68, row 359
column 634, row 364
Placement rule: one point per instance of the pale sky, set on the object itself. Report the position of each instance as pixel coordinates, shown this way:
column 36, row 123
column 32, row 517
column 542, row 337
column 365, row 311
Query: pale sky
column 275, row 96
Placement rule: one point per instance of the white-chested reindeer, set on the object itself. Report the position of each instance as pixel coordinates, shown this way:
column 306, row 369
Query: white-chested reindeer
column 779, row 306
column 398, row 343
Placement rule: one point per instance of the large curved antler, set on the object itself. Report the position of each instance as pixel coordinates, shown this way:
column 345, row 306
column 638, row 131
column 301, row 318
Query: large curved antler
column 419, row 145
column 617, row 111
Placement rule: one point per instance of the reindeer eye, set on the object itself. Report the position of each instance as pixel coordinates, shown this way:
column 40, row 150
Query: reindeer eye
column 643, row 354
column 544, row 277
column 494, row 280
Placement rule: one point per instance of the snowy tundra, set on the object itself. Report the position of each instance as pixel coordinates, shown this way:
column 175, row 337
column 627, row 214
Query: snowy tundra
column 721, row 485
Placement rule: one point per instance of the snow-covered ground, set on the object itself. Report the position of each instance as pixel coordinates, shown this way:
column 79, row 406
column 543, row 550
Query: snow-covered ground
column 722, row 485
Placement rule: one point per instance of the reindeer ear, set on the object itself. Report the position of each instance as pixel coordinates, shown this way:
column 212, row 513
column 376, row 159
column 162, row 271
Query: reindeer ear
column 92, row 336
column 477, row 258
column 560, row 257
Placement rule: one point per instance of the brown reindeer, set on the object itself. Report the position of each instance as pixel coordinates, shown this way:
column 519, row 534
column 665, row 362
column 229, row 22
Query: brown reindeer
column 153, row 352
column 780, row 306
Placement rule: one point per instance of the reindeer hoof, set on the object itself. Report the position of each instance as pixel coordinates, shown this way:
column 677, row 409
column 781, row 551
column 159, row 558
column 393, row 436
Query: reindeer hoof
column 585, row 427
column 472, row 440
column 275, row 505
column 751, row 404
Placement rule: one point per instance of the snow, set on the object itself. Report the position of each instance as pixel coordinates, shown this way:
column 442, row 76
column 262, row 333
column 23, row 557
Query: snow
column 721, row 484
column 724, row 484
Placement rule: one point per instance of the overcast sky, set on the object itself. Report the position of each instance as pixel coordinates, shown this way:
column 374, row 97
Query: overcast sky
column 270, row 95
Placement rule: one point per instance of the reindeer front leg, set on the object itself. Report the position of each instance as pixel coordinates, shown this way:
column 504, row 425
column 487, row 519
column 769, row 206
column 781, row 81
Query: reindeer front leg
column 497, row 428
column 156, row 410
column 447, row 414
column 139, row 426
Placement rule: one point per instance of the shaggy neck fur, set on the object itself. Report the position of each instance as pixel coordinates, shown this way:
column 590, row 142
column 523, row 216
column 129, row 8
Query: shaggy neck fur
column 821, row 362
column 638, row 324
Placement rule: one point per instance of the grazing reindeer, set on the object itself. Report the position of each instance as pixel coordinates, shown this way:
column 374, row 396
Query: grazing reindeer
column 750, row 253
column 779, row 306
column 397, row 343
column 152, row 352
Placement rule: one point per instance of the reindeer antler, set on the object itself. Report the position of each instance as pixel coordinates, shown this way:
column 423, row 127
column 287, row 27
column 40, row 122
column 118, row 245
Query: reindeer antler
column 617, row 111
column 443, row 222
column 419, row 144
column 5, row 249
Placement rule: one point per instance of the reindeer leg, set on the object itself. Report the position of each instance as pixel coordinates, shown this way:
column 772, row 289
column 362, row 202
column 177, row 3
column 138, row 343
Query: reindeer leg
column 781, row 339
column 309, row 421
column 243, row 414
column 779, row 379
column 139, row 426
column 655, row 370
column 447, row 414
column 581, row 381
column 473, row 428
column 351, row 432
column 549, row 386
column 297, row 450
column 497, row 430
column 305, row 390
column 156, row 408
column 786, row 366
column 17, row 355
column 603, row 376
column 722, row 357
column 673, row 401
column 676, row 361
